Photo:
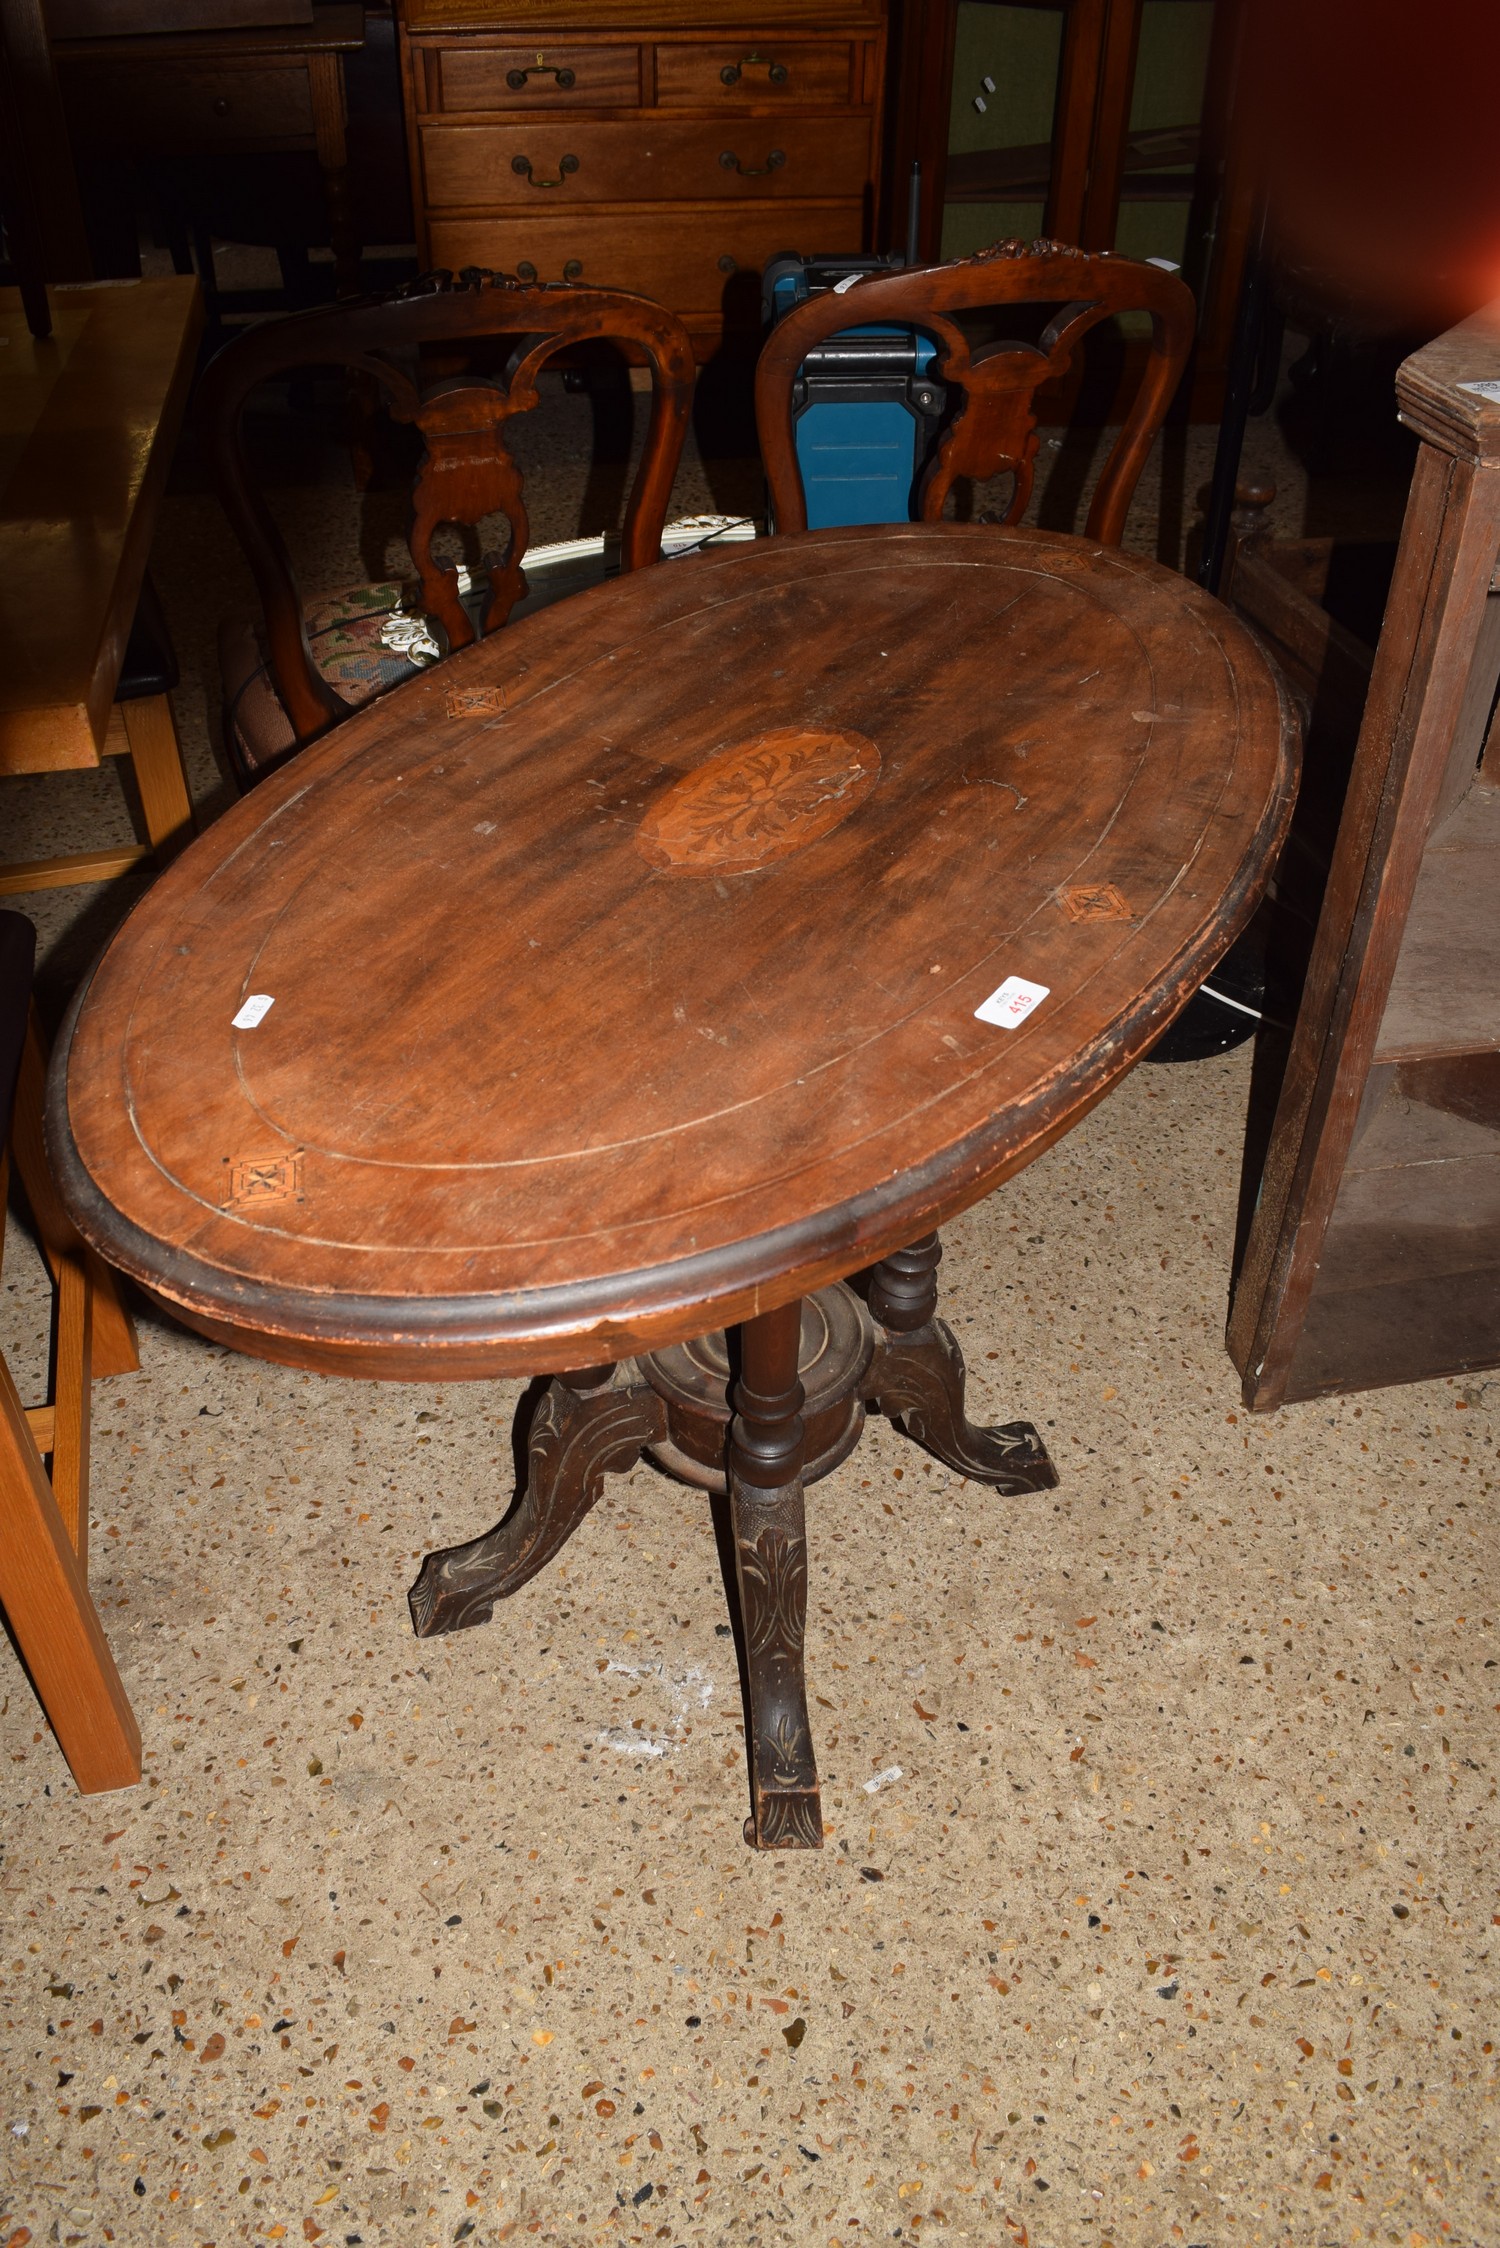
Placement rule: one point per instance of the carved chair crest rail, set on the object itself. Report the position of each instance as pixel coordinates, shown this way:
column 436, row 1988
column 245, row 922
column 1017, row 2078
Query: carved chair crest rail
column 994, row 431
column 467, row 470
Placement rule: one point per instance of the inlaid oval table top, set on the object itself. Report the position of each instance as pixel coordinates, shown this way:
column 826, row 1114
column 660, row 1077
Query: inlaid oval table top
column 626, row 970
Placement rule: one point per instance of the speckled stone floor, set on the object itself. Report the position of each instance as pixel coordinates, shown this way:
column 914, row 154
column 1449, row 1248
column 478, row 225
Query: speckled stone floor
column 1158, row 1899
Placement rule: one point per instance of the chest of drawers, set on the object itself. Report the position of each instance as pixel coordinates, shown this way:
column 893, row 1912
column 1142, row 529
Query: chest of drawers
column 610, row 144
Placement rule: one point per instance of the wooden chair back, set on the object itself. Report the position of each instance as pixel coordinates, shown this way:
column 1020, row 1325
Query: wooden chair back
column 995, row 427
column 467, row 470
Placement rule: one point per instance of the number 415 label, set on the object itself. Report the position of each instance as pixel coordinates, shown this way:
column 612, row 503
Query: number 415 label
column 1012, row 1003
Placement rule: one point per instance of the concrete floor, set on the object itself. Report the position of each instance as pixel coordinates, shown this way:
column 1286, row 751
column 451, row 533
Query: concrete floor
column 417, row 1942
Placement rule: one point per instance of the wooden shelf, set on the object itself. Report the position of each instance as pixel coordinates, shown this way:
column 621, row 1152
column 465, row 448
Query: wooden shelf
column 1445, row 995
column 1002, row 175
column 1373, row 1255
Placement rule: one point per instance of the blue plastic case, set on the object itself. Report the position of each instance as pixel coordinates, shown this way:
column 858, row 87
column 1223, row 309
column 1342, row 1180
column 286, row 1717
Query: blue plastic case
column 865, row 407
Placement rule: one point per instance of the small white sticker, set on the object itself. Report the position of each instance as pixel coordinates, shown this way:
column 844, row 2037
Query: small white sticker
column 1168, row 265
column 1012, row 1003
column 254, row 1011
column 887, row 1778
column 841, row 288
column 1487, row 389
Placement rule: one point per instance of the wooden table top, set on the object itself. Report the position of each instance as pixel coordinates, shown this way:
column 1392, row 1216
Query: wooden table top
column 624, row 968
column 88, row 420
column 337, row 27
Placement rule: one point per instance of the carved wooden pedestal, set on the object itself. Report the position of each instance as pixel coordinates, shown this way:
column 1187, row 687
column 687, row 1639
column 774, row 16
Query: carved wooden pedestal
column 758, row 1412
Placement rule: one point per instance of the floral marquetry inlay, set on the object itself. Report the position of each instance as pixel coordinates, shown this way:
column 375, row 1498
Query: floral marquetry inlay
column 758, row 801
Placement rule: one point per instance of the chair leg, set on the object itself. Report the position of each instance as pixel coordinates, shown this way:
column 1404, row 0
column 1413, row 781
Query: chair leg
column 113, row 1335
column 156, row 755
column 45, row 1595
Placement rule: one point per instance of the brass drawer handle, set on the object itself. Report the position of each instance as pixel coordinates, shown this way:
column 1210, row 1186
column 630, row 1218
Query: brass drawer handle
column 727, row 264
column 731, row 73
column 573, row 270
column 773, row 163
column 526, row 271
column 516, row 79
column 522, row 164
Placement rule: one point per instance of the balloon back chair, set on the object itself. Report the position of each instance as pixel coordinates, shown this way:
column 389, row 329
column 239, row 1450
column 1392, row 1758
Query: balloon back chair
column 994, row 429
column 290, row 680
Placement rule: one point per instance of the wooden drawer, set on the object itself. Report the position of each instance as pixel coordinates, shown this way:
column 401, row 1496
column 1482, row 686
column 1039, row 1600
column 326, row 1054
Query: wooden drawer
column 694, row 261
column 171, row 107
column 640, row 160
column 551, row 77
column 755, row 70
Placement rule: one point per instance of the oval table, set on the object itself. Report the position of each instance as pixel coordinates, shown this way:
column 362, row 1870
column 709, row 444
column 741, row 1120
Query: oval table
column 629, row 999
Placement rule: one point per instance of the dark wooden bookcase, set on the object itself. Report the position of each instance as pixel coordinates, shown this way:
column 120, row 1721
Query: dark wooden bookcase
column 1094, row 160
column 1373, row 1255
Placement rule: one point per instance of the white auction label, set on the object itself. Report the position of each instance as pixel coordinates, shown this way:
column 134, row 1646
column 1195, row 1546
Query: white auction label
column 1012, row 1003
column 1487, row 389
column 254, row 1011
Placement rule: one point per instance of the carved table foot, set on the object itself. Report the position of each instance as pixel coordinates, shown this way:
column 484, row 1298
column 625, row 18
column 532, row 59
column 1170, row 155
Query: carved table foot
column 770, row 1560
column 587, row 1426
column 794, row 1411
column 917, row 1378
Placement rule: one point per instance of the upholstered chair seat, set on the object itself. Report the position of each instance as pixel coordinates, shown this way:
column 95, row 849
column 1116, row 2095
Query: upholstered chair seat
column 364, row 640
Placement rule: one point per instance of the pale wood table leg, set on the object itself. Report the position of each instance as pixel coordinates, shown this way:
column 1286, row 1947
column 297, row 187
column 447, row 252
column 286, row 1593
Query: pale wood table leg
column 156, row 755
column 45, row 1595
column 44, row 1524
column 146, row 731
column 113, row 1333
column 770, row 1561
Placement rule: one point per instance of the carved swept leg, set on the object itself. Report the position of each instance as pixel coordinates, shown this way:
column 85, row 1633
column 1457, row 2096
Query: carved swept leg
column 587, row 1426
column 770, row 1559
column 917, row 1378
